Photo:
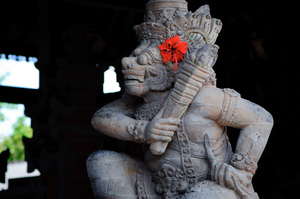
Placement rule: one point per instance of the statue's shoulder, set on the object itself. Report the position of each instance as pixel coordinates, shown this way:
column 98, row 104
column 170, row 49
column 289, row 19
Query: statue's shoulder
column 209, row 95
column 210, row 100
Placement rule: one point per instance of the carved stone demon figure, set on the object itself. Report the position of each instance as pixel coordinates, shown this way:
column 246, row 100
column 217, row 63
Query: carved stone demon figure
column 180, row 114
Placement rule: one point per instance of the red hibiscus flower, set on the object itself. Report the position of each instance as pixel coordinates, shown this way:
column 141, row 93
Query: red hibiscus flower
column 173, row 50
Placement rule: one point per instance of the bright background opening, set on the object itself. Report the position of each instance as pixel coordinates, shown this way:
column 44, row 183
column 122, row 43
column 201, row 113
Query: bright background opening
column 16, row 71
column 9, row 115
column 110, row 84
column 13, row 126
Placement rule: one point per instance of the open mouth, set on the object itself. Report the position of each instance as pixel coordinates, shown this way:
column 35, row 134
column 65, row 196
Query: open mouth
column 131, row 76
column 133, row 79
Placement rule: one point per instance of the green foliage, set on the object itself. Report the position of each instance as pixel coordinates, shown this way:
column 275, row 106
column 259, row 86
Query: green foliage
column 14, row 142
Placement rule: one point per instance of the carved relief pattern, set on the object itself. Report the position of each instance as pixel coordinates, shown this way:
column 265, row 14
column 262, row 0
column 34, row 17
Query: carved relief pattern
column 140, row 186
column 242, row 161
column 197, row 28
column 186, row 157
column 170, row 181
column 147, row 111
column 136, row 130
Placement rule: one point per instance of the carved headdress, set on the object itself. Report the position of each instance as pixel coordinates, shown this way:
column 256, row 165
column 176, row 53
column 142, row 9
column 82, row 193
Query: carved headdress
column 167, row 18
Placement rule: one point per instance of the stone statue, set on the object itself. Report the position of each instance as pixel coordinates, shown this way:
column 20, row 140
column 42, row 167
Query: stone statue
column 171, row 104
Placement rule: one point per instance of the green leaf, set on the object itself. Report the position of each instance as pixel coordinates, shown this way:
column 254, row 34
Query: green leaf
column 14, row 142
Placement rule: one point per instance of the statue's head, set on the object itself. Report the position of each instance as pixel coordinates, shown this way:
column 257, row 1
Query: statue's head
column 145, row 70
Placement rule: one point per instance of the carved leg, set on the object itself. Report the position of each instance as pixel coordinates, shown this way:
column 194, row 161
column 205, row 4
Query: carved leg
column 112, row 175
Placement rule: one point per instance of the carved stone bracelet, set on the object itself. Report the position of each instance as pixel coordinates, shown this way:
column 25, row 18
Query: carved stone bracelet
column 242, row 161
column 136, row 130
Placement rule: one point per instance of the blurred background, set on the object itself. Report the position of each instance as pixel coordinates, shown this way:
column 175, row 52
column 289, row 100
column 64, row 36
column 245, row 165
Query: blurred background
column 58, row 56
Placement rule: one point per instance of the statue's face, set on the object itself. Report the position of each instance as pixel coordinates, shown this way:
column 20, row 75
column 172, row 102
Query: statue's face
column 143, row 71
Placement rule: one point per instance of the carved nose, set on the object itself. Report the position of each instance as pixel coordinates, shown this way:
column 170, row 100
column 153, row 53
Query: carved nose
column 127, row 63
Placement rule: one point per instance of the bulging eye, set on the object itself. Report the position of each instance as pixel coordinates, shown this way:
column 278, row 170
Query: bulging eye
column 136, row 52
column 142, row 60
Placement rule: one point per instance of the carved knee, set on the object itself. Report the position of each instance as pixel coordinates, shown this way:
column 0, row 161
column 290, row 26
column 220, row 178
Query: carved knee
column 97, row 163
column 109, row 174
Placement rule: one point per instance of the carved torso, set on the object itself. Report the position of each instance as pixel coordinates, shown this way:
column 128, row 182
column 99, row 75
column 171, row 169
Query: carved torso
column 185, row 162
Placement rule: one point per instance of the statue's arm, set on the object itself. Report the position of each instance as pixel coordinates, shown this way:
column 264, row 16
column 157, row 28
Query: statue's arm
column 227, row 108
column 256, row 124
column 116, row 120
column 113, row 119
column 253, row 120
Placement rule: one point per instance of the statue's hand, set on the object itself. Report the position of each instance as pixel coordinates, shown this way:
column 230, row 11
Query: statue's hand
column 226, row 175
column 205, row 57
column 161, row 129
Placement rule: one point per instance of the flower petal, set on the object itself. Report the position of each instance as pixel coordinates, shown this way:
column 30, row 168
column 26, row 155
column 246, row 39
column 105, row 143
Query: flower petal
column 179, row 55
column 181, row 46
column 164, row 46
column 173, row 41
column 166, row 55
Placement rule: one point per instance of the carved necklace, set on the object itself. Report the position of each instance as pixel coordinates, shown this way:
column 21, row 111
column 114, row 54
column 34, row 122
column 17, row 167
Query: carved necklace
column 148, row 111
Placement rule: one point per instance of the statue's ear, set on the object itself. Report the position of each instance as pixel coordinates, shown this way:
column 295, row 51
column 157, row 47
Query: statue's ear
column 162, row 78
column 166, row 85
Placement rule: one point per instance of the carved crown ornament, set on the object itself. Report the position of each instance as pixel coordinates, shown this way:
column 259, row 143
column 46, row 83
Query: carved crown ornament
column 167, row 18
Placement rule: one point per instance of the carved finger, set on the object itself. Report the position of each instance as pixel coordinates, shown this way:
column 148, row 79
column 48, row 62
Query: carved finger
column 163, row 133
column 240, row 189
column 209, row 153
column 221, row 174
column 214, row 61
column 205, row 58
column 159, row 132
column 204, row 50
column 161, row 138
column 211, row 62
column 215, row 49
column 212, row 173
column 228, row 177
column 216, row 173
column 191, row 55
column 169, row 121
column 167, row 127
